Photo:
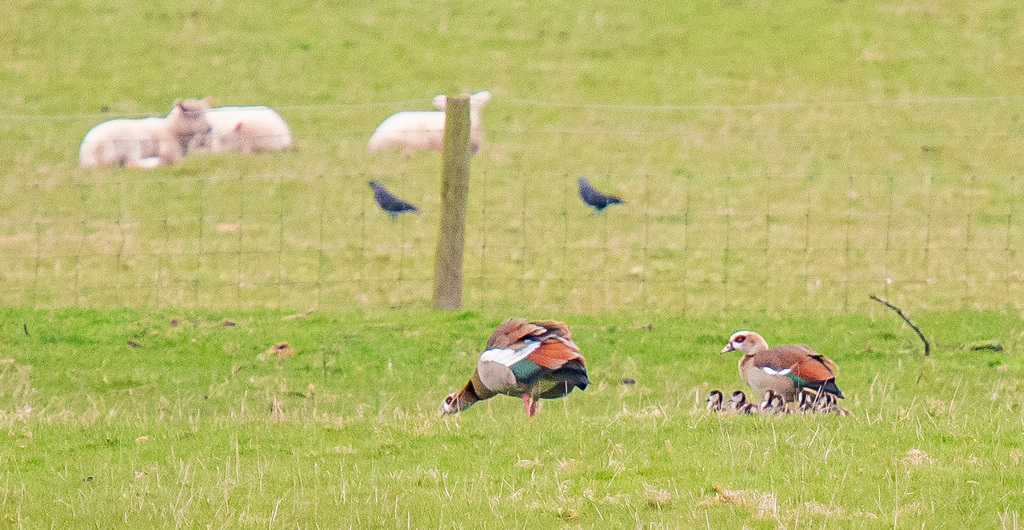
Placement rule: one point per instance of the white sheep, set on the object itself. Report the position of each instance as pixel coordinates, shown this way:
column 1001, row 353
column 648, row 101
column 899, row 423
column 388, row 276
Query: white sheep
column 412, row 130
column 245, row 129
column 146, row 142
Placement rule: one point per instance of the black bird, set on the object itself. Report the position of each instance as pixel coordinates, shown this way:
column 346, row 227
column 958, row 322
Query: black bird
column 595, row 198
column 389, row 203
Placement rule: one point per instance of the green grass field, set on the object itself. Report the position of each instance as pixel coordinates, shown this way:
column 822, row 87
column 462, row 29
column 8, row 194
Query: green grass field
column 814, row 153
column 781, row 162
column 174, row 419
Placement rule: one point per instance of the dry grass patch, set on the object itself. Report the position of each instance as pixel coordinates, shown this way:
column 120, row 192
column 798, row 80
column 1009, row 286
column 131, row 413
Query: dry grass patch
column 766, row 504
column 917, row 457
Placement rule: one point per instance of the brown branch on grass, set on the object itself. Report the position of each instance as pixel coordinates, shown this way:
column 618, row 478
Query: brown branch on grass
column 927, row 347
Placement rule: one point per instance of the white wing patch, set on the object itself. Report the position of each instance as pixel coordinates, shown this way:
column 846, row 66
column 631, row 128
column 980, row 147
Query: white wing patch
column 509, row 356
column 770, row 371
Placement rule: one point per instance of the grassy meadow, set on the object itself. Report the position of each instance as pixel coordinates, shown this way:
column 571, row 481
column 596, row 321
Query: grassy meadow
column 810, row 152
column 780, row 161
column 115, row 418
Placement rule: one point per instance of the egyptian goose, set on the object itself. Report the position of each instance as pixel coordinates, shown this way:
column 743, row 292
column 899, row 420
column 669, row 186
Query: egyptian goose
column 773, row 403
column 715, row 401
column 811, row 401
column 738, row 402
column 529, row 359
column 816, row 401
column 826, row 403
column 805, row 401
column 783, row 369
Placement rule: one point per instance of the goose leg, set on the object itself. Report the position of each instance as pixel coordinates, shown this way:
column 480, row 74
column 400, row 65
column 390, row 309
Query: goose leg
column 529, row 405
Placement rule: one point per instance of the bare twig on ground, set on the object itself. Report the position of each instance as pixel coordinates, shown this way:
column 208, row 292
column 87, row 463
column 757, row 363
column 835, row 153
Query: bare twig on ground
column 927, row 347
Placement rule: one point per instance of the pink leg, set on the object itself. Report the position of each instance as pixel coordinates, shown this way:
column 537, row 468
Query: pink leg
column 529, row 405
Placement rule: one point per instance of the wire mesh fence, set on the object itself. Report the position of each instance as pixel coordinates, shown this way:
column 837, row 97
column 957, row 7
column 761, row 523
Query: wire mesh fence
column 753, row 209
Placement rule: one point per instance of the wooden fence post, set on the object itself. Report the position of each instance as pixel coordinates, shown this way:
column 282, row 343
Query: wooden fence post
column 454, row 197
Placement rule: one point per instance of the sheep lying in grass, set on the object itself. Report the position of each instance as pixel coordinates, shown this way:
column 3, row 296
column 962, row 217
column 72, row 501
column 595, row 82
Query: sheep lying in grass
column 146, row 142
column 245, row 129
column 412, row 130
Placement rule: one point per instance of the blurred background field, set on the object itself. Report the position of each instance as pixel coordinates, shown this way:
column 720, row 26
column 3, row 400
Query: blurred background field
column 780, row 162
column 798, row 156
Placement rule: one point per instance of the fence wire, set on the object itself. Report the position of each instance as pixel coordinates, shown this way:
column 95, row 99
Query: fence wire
column 718, row 216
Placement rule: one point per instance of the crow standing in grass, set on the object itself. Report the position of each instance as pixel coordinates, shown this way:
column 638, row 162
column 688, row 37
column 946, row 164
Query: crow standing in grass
column 595, row 198
column 389, row 203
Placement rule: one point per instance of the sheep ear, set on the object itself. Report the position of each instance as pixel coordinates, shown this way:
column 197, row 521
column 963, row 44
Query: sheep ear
column 440, row 101
column 180, row 103
column 480, row 97
column 208, row 101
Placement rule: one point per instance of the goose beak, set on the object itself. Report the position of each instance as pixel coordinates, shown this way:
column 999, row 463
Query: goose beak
column 447, row 408
column 728, row 348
